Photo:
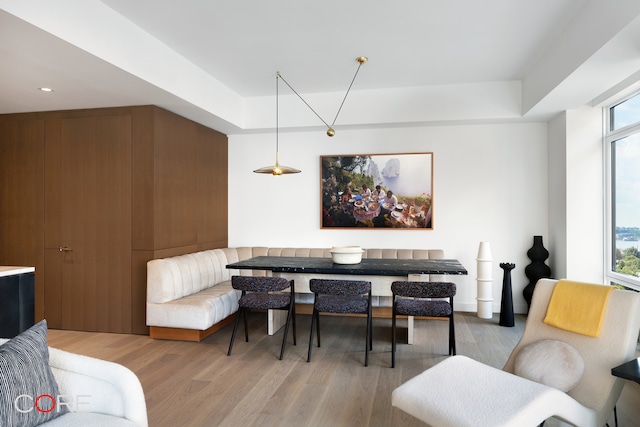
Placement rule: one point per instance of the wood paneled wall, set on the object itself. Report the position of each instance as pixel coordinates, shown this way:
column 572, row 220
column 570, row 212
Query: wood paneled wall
column 139, row 182
column 22, row 195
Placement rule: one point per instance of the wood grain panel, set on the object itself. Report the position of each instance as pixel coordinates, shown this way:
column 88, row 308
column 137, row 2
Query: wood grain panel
column 167, row 195
column 22, row 197
column 175, row 154
column 52, row 276
column 212, row 187
column 96, row 224
column 143, row 179
column 52, row 185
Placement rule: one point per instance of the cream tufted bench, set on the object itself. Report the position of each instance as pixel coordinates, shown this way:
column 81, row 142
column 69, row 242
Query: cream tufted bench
column 189, row 296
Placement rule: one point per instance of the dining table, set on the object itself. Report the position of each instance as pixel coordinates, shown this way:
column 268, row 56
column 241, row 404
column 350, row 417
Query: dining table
column 381, row 272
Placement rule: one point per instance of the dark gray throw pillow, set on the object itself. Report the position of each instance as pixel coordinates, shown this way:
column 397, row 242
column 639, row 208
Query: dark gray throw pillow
column 28, row 390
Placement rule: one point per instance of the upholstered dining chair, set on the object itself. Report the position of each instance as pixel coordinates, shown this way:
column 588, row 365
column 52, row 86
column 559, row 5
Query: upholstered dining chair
column 575, row 333
column 341, row 296
column 264, row 293
column 415, row 299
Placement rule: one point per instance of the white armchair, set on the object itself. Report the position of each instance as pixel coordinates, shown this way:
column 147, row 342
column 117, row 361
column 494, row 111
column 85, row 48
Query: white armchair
column 99, row 393
column 461, row 392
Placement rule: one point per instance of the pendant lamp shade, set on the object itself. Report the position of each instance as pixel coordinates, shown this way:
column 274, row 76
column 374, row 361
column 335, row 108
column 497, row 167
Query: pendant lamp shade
column 277, row 169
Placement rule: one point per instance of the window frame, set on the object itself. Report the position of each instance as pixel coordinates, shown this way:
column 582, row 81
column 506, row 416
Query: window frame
column 609, row 138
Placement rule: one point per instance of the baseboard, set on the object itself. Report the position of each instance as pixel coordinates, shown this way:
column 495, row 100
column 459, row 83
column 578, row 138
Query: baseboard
column 183, row 334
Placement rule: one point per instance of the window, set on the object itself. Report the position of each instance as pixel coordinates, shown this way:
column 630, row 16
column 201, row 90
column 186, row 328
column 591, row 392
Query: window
column 622, row 151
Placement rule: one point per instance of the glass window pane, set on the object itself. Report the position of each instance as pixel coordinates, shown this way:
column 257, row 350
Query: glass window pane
column 626, row 205
column 625, row 113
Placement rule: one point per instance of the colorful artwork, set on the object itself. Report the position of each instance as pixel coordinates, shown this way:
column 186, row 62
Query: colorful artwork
column 377, row 191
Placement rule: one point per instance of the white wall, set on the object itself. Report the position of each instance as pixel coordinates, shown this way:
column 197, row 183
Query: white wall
column 585, row 195
column 490, row 184
column 576, row 194
column 557, row 243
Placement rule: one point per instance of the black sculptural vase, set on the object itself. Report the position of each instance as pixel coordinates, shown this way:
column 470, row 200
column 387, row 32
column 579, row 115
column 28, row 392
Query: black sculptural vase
column 506, row 304
column 537, row 269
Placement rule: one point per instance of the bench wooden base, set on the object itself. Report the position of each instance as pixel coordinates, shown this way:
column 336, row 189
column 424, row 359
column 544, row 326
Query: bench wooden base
column 181, row 334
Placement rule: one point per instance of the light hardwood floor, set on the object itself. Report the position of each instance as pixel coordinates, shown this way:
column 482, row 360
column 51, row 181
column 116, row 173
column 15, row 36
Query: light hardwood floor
column 196, row 384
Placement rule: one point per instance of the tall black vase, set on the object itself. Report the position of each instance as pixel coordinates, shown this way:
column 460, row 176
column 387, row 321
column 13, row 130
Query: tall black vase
column 537, row 269
column 506, row 304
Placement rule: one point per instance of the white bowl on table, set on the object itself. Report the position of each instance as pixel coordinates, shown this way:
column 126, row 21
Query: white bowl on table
column 346, row 254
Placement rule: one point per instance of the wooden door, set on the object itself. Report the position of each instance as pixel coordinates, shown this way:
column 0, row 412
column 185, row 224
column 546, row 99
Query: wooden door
column 94, row 253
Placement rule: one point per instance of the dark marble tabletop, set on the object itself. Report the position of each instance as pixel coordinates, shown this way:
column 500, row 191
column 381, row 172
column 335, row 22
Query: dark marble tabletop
column 368, row 266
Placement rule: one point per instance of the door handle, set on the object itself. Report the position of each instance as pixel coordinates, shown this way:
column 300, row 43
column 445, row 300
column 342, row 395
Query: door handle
column 65, row 249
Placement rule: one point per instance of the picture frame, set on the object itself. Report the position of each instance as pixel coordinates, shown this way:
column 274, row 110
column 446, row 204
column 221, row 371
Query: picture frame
column 350, row 197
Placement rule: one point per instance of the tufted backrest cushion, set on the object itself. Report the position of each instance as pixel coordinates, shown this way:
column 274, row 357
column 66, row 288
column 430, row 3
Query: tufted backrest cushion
column 300, row 252
column 172, row 278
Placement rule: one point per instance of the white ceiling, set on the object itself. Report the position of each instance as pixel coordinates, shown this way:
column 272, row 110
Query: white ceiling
column 314, row 43
column 210, row 60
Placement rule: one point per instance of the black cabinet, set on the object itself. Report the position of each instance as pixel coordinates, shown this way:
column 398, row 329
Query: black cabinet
column 16, row 304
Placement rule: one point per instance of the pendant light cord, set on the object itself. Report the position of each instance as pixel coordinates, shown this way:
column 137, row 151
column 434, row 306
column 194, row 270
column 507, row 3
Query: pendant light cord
column 302, row 99
column 278, row 76
column 314, row 111
column 345, row 95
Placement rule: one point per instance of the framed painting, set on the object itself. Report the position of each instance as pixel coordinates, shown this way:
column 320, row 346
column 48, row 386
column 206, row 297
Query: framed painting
column 377, row 191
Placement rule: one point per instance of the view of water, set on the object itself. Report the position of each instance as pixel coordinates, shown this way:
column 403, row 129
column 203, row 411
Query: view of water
column 624, row 244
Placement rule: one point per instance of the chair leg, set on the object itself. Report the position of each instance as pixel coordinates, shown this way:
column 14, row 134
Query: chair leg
column 318, row 326
column 286, row 331
column 452, row 337
column 235, row 329
column 367, row 341
column 370, row 331
column 313, row 324
column 293, row 309
column 246, row 326
column 393, row 339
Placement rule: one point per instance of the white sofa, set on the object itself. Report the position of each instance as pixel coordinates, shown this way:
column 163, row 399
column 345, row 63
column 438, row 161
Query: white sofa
column 190, row 296
column 108, row 394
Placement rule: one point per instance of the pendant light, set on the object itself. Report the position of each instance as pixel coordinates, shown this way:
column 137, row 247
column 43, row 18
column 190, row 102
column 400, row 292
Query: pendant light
column 278, row 169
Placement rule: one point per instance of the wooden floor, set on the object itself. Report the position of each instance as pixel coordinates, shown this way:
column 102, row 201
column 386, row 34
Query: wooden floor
column 196, row 384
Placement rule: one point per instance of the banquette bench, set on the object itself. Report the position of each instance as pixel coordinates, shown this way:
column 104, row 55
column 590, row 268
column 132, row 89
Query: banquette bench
column 189, row 296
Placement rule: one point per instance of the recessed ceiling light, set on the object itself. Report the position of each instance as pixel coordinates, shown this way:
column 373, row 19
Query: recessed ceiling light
column 46, row 89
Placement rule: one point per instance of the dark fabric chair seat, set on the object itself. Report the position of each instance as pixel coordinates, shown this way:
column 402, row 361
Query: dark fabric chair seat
column 417, row 299
column 344, row 297
column 264, row 293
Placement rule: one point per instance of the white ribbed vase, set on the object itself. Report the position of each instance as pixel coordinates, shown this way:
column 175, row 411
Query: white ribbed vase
column 485, row 281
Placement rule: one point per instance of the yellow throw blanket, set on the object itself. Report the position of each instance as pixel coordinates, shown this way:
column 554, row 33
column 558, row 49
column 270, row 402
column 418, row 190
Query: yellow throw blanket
column 578, row 307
